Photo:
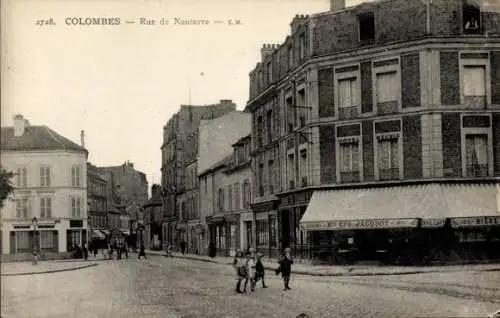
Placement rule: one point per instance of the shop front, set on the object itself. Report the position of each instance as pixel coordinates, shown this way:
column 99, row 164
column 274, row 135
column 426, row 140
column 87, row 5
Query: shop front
column 224, row 234
column 408, row 224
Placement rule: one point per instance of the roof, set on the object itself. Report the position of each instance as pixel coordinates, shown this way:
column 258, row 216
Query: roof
column 37, row 138
column 219, row 164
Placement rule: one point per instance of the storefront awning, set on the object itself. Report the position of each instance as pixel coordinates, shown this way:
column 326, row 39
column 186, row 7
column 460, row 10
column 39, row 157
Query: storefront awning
column 126, row 232
column 98, row 234
column 403, row 207
column 105, row 232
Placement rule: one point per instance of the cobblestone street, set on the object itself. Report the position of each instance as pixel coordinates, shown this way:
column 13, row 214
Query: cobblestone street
column 171, row 287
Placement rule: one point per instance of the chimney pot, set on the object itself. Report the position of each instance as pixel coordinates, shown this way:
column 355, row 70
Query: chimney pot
column 337, row 5
column 20, row 125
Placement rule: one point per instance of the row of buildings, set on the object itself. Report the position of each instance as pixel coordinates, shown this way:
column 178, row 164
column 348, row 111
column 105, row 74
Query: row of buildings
column 374, row 133
column 60, row 200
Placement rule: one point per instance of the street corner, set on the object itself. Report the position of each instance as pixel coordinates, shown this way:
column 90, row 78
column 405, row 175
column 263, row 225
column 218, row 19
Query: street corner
column 28, row 268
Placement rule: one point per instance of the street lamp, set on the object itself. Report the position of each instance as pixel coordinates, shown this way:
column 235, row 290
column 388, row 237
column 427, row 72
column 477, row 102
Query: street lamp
column 34, row 221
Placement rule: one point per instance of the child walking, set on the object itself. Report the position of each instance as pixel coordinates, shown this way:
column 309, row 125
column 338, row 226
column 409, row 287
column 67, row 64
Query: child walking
column 239, row 266
column 285, row 268
column 250, row 268
column 259, row 270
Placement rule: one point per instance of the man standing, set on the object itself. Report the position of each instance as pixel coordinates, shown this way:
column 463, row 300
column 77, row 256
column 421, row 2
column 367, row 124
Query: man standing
column 285, row 268
column 142, row 252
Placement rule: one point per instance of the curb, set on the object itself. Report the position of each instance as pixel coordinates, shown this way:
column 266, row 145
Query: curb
column 307, row 273
column 52, row 271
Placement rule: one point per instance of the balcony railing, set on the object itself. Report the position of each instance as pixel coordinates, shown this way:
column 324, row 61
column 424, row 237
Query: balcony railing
column 304, row 182
column 348, row 112
column 389, row 174
column 261, row 191
column 475, row 102
column 477, row 170
column 387, row 107
column 349, row 176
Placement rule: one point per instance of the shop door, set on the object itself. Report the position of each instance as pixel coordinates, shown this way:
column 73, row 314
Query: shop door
column 285, row 228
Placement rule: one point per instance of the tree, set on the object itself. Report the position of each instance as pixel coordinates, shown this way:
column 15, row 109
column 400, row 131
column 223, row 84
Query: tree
column 6, row 186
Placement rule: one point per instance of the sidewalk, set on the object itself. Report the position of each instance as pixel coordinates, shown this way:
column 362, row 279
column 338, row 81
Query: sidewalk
column 347, row 270
column 43, row 267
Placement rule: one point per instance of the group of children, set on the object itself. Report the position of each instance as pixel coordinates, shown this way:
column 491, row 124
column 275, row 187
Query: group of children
column 249, row 269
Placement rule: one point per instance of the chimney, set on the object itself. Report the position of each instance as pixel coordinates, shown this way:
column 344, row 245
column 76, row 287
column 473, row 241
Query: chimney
column 337, row 5
column 82, row 138
column 299, row 20
column 266, row 50
column 20, row 125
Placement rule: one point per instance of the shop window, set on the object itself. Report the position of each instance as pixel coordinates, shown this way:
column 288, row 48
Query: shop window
column 23, row 242
column 366, row 24
column 248, row 228
column 262, row 229
column 47, row 240
column 471, row 17
column 476, row 155
column 272, row 231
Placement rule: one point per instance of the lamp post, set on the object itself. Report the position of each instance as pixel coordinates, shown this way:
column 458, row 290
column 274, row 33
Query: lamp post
column 34, row 221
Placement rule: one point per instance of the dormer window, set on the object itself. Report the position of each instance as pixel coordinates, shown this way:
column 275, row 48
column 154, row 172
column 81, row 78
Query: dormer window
column 471, row 17
column 366, row 23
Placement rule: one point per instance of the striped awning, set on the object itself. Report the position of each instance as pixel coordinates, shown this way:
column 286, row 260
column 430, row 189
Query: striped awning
column 98, row 234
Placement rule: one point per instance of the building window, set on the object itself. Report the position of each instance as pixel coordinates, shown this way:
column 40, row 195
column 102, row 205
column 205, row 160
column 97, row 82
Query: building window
column 262, row 229
column 237, row 195
column 347, row 98
column 349, row 161
column 220, row 200
column 23, row 241
column 260, row 179
column 388, row 157
column 290, row 56
column 302, row 42
column 300, row 108
column 22, row 208
column 303, row 167
column 474, row 85
column 76, row 206
column 233, row 237
column 76, row 173
column 269, row 126
column 387, row 92
column 247, row 194
column 290, row 109
column 22, row 177
column 476, row 153
column 291, row 171
column 471, row 17
column 260, row 131
column 366, row 23
column 230, row 197
column 45, row 207
column 270, row 175
column 47, row 240
column 45, row 176
column 269, row 72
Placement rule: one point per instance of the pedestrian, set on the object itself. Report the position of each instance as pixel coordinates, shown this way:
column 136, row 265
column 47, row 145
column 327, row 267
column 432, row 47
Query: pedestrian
column 285, row 268
column 142, row 252
column 125, row 249
column 85, row 251
column 239, row 266
column 110, row 250
column 250, row 269
column 183, row 247
column 259, row 270
column 95, row 248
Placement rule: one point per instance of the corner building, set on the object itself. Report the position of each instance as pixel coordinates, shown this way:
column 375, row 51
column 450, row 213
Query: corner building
column 376, row 132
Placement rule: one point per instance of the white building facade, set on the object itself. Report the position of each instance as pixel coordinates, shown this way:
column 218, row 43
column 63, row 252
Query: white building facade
column 50, row 185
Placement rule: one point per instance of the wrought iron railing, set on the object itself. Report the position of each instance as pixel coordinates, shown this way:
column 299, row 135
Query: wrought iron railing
column 477, row 170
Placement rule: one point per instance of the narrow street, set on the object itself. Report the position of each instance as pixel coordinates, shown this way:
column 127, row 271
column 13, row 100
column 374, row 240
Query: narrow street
column 172, row 287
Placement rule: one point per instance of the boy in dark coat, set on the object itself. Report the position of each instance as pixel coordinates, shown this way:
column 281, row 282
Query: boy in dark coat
column 285, row 268
column 259, row 270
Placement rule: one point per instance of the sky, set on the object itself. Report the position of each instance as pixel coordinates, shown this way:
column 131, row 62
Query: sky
column 121, row 84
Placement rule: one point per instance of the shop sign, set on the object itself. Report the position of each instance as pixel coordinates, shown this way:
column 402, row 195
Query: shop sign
column 475, row 221
column 431, row 223
column 360, row 224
